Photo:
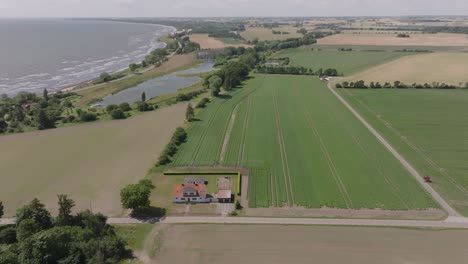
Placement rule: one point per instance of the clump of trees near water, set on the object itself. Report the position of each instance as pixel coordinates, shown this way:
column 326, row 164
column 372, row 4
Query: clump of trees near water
column 38, row 237
column 399, row 85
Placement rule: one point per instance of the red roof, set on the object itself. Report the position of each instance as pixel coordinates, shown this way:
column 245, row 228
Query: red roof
column 178, row 190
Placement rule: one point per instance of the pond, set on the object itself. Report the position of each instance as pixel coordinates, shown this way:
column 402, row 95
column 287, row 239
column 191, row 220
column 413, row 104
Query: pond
column 166, row 84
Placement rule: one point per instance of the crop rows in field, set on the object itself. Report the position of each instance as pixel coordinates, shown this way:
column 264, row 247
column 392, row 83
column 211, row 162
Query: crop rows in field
column 303, row 148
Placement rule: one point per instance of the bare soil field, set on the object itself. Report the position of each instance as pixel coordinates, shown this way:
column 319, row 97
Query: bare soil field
column 440, row 39
column 308, row 244
column 89, row 162
column 450, row 68
column 207, row 42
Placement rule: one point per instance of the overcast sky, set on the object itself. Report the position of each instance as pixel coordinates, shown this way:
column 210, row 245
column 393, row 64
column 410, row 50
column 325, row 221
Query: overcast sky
column 180, row 8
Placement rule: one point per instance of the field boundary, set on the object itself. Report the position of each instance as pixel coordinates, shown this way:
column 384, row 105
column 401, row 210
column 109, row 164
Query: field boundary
column 451, row 212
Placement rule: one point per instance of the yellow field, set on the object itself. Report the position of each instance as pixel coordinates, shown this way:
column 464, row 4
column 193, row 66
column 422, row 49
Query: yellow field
column 90, row 162
column 440, row 39
column 207, row 42
column 307, row 244
column 266, row 34
column 450, row 68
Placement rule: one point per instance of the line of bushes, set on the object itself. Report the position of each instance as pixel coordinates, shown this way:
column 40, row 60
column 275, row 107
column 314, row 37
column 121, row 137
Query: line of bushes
column 179, row 137
column 398, row 85
column 295, row 70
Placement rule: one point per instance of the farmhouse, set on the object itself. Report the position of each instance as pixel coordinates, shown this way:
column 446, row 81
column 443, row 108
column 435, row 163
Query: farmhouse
column 194, row 190
column 189, row 192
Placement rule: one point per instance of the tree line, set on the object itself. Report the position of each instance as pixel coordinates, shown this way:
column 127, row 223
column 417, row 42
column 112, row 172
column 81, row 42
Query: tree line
column 295, row 70
column 38, row 237
column 399, row 85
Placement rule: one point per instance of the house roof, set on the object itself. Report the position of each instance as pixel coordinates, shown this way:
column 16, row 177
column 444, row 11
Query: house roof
column 178, row 189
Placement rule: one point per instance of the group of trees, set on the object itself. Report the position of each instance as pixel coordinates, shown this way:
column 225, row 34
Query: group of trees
column 106, row 77
column 295, row 70
column 308, row 39
column 277, row 32
column 403, row 35
column 37, row 237
column 179, row 137
column 399, row 85
column 30, row 110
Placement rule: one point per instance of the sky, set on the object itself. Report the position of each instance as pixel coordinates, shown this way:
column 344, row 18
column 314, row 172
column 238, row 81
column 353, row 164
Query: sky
column 214, row 8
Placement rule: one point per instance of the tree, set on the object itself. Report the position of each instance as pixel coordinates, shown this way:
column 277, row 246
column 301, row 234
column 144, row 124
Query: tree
column 118, row 114
column 65, row 208
column 43, row 121
column 189, row 113
column 26, row 229
column 133, row 67
column 35, row 211
column 143, row 107
column 1, row 209
column 143, row 96
column 45, row 94
column 3, row 126
column 215, row 83
column 105, row 77
column 136, row 196
column 111, row 108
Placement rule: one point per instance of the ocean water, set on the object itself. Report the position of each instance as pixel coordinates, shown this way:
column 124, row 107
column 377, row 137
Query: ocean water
column 55, row 53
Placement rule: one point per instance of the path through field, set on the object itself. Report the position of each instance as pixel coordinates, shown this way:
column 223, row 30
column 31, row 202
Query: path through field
column 400, row 158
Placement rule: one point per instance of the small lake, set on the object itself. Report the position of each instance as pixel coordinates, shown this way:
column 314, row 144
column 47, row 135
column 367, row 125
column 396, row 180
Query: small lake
column 166, row 84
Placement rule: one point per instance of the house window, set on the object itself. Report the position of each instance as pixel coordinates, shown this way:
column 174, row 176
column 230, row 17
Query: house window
column 183, row 199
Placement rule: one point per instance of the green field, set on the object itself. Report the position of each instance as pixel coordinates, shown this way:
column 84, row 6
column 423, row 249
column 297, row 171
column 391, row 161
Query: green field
column 429, row 128
column 303, row 148
column 346, row 62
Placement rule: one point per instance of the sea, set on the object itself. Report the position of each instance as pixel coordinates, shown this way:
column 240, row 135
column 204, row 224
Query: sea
column 56, row 53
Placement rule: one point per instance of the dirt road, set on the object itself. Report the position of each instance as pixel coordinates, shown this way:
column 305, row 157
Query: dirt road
column 451, row 212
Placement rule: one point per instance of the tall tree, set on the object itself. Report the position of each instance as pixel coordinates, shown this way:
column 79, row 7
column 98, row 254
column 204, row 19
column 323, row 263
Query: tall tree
column 65, row 208
column 35, row 211
column 215, row 83
column 43, row 121
column 189, row 113
column 1, row 209
column 45, row 94
column 143, row 96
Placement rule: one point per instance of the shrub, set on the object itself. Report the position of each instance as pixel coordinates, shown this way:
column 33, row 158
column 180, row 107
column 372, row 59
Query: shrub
column 202, row 103
column 125, row 107
column 143, row 106
column 87, row 117
column 118, row 114
column 111, row 108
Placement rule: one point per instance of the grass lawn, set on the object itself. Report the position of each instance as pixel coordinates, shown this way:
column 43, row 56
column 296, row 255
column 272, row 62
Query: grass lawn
column 304, row 148
column 346, row 62
column 89, row 162
column 429, row 128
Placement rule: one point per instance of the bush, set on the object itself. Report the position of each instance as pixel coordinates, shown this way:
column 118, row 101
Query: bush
column 143, row 107
column 202, row 103
column 8, row 235
column 111, row 108
column 118, row 114
column 125, row 107
column 87, row 117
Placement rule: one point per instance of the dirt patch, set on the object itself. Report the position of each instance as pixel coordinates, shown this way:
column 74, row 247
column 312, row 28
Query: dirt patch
column 303, row 244
column 89, row 162
column 207, row 42
column 450, row 68
column 440, row 39
column 427, row 214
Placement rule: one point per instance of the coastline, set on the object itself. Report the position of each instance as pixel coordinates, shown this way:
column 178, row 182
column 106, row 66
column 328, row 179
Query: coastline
column 87, row 68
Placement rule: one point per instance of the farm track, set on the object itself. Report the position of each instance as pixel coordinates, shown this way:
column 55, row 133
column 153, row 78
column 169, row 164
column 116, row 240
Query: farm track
column 412, row 145
column 451, row 212
column 334, row 172
column 227, row 135
column 284, row 157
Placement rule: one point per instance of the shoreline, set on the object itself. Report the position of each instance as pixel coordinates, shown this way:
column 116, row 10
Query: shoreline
column 76, row 85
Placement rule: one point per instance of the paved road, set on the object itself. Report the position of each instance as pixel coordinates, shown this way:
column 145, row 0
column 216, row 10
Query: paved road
column 406, row 164
column 451, row 222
